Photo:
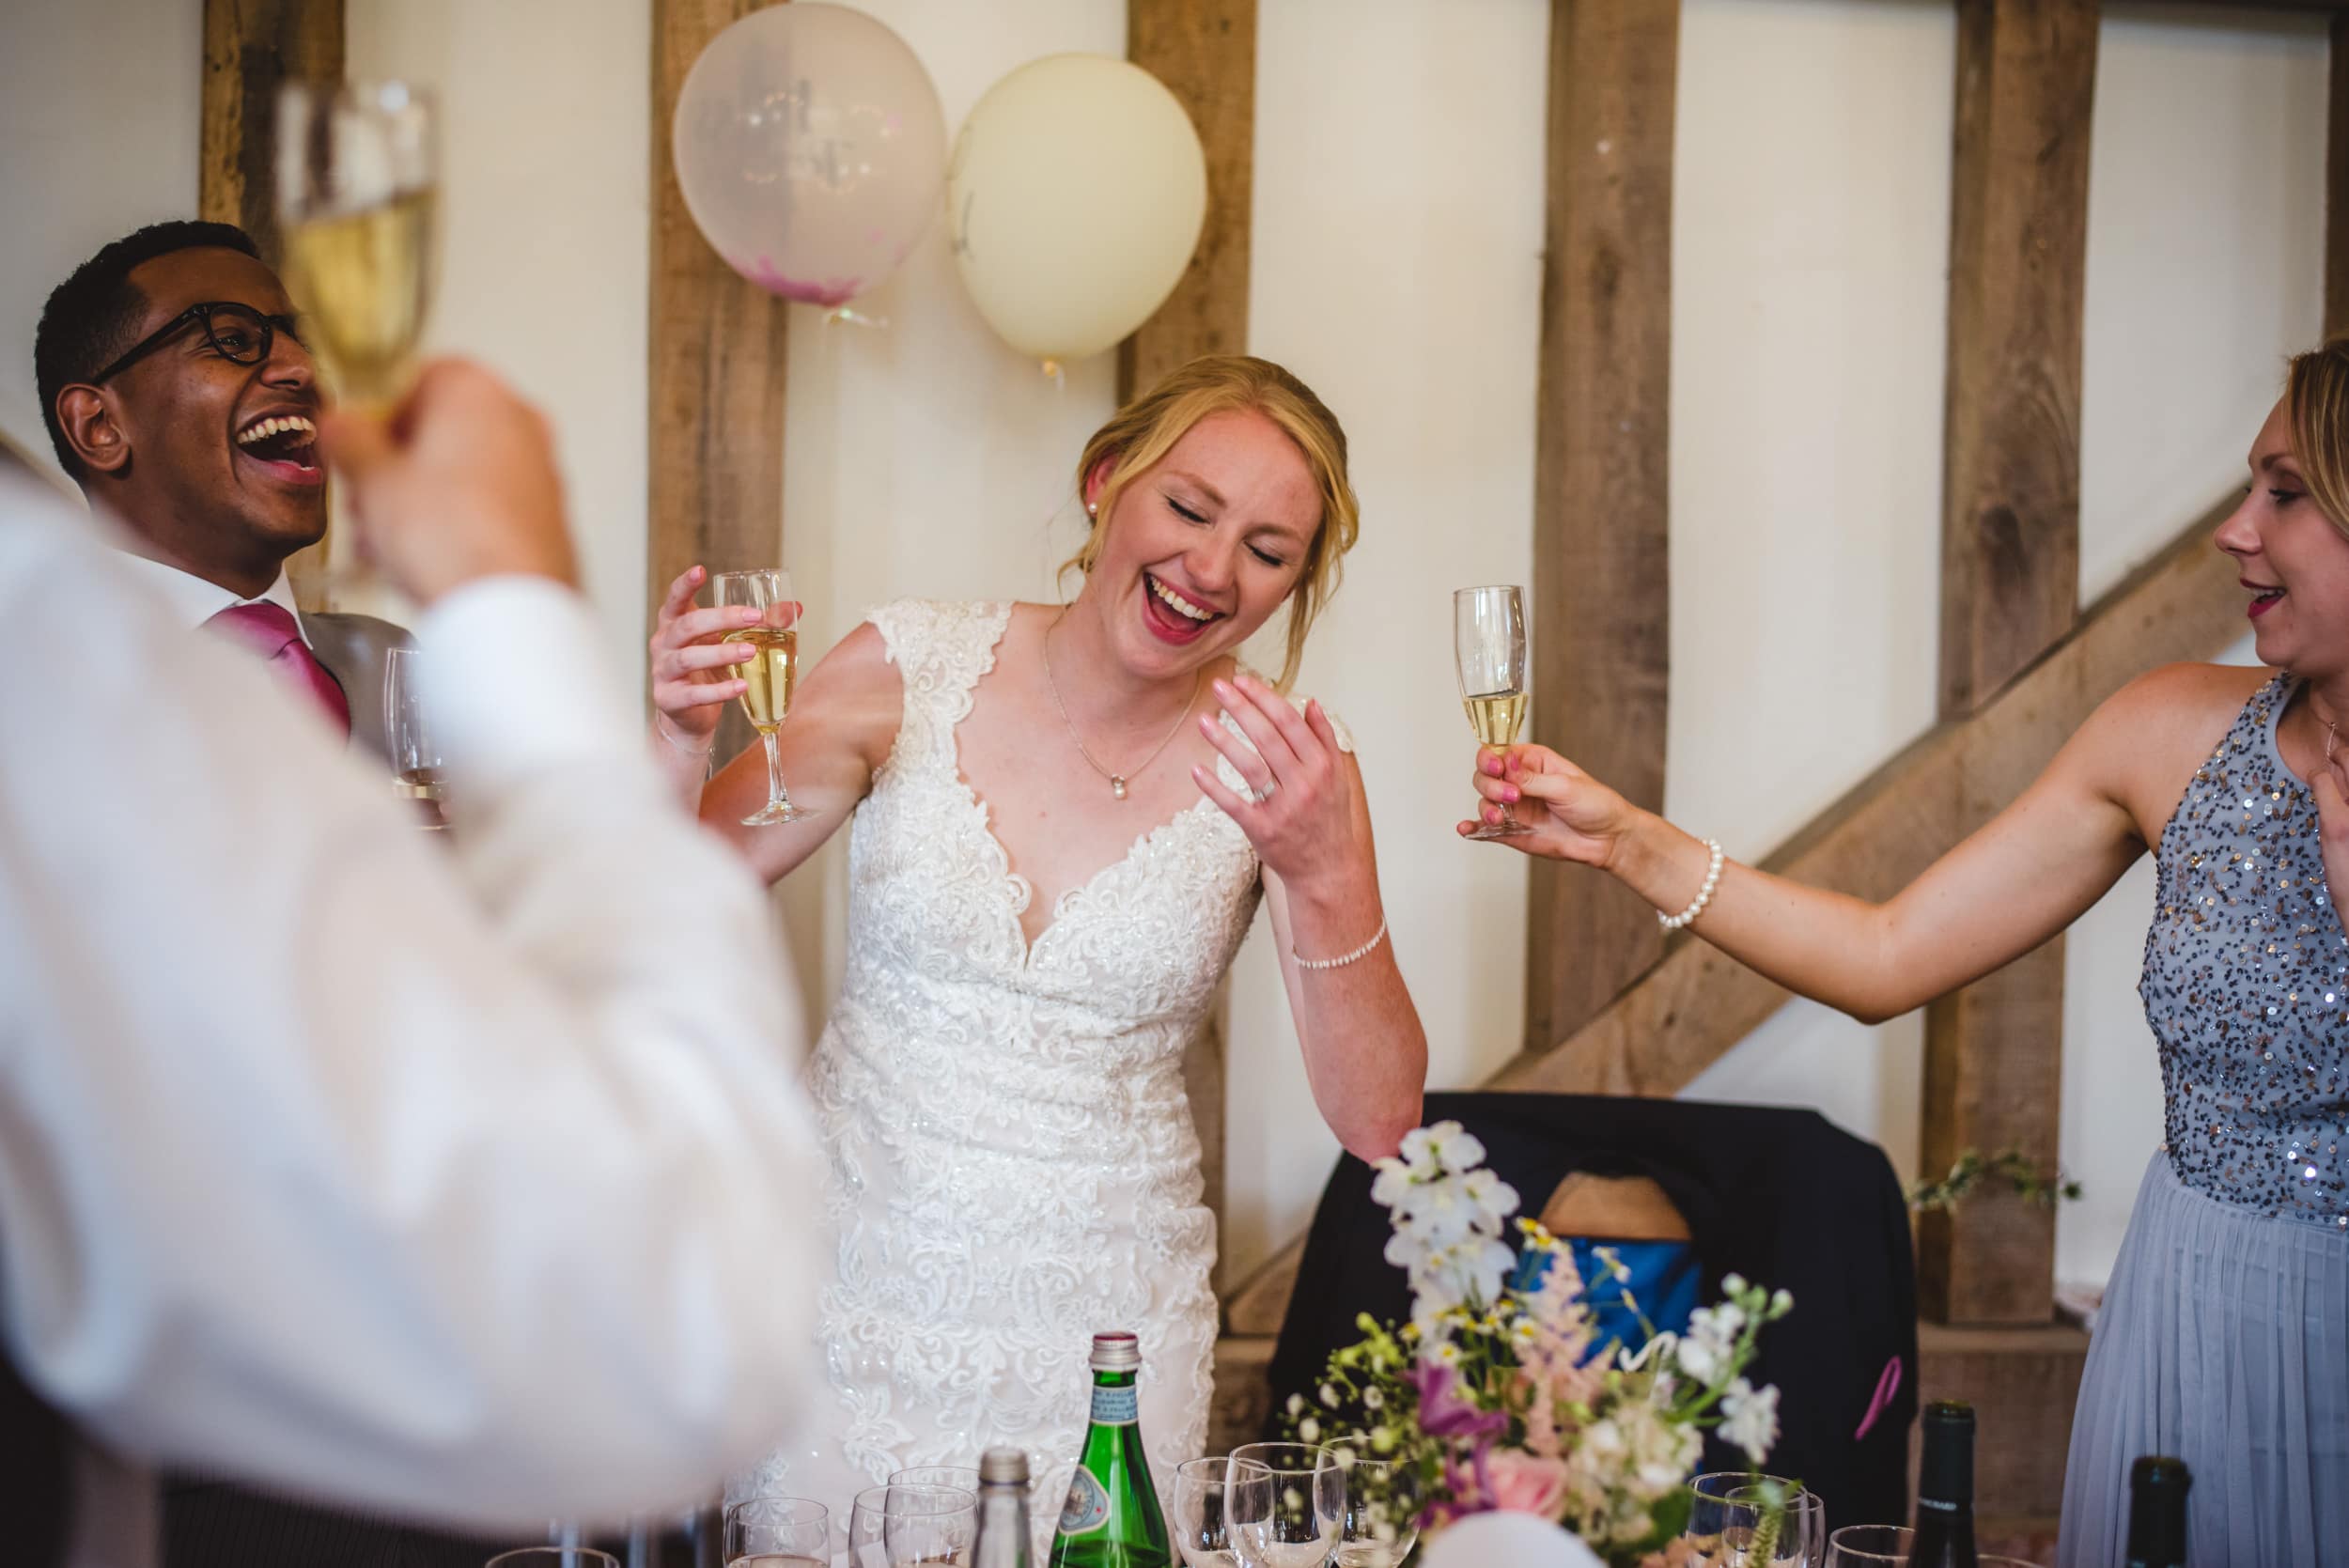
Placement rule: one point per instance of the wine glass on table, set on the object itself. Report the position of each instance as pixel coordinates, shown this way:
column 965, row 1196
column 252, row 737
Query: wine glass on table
column 778, row 1533
column 1374, row 1505
column 1292, row 1525
column 1490, row 648
column 769, row 668
column 1210, row 1495
column 1730, row 1518
column 902, row 1526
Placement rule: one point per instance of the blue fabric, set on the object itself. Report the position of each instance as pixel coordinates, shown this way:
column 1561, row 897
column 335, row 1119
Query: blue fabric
column 1665, row 1278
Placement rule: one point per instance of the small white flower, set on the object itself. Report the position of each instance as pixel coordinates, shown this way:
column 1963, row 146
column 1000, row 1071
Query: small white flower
column 1750, row 1418
column 1296, row 1405
column 1309, row 1431
column 1374, row 1399
column 1330, row 1396
column 1604, row 1439
column 1783, row 1303
column 1699, row 1360
column 1734, row 1284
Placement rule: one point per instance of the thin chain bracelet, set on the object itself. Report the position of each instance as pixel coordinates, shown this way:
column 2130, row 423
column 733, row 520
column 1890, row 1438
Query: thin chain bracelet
column 1344, row 958
column 701, row 754
column 1704, row 893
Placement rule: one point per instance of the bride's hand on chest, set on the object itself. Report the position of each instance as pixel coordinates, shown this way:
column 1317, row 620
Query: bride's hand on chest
column 1304, row 811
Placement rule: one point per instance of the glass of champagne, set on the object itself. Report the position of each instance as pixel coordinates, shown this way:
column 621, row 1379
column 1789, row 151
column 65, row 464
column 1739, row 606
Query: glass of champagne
column 1291, row 1523
column 358, row 183
column 1210, row 1495
column 1376, row 1505
column 407, row 738
column 1489, row 647
column 900, row 1527
column 770, row 668
column 778, row 1533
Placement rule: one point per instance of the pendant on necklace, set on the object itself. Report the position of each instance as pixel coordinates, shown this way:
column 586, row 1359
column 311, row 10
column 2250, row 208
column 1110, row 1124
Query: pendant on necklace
column 1117, row 785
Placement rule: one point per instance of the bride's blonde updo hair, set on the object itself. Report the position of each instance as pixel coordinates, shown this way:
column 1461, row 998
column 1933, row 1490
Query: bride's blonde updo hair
column 2317, row 394
column 1145, row 430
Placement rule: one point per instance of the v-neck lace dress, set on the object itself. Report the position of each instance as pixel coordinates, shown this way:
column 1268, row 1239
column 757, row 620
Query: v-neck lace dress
column 1013, row 1163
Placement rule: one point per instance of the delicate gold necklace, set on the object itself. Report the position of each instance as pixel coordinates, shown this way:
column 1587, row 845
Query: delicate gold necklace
column 1117, row 781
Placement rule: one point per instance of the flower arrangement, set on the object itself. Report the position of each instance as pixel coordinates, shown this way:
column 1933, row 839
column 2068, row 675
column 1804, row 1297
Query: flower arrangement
column 1499, row 1393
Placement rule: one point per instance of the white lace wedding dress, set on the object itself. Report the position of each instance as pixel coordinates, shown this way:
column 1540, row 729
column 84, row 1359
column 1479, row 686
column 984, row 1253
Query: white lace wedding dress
column 1013, row 1164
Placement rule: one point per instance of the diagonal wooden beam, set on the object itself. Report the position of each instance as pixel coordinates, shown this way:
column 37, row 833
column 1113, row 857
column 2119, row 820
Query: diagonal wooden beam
column 716, row 364
column 1688, row 1010
column 1601, row 547
column 2010, row 588
column 1204, row 51
column 250, row 47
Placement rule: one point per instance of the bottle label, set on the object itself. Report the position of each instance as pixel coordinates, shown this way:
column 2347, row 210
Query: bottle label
column 1088, row 1505
column 1116, row 1407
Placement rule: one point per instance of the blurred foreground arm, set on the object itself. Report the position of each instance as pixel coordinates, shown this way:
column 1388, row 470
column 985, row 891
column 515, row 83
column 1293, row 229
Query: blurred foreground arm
column 465, row 1179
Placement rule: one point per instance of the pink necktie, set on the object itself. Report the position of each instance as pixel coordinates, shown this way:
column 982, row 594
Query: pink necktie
column 268, row 629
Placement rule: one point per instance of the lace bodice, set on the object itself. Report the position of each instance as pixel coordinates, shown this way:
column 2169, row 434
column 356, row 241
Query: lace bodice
column 1013, row 1166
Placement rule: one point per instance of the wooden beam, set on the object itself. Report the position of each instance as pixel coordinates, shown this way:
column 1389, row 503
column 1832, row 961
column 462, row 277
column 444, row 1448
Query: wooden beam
column 716, row 364
column 2337, row 185
column 1600, row 546
column 250, row 47
column 1204, row 51
column 2010, row 589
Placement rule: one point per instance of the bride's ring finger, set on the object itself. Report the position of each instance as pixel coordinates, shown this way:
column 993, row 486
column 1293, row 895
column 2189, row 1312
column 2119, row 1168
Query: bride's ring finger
column 1254, row 773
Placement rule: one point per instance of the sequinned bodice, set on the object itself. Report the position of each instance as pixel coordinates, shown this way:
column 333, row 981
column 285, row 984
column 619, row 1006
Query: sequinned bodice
column 2246, row 984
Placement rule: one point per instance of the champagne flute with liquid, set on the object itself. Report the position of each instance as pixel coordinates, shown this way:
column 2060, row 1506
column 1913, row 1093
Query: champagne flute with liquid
column 409, row 739
column 1490, row 648
column 358, row 188
column 770, row 669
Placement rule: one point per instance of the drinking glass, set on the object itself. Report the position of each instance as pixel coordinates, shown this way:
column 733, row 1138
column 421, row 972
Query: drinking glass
column 1489, row 647
column 554, row 1557
column 1728, row 1513
column 1210, row 1495
column 358, row 186
column 778, row 1533
column 1291, row 1523
column 1377, row 1516
column 1868, row 1545
column 769, row 668
column 895, row 1526
column 408, row 740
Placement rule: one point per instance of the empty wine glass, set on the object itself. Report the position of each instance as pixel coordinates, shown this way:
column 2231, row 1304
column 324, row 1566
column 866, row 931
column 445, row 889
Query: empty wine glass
column 1209, row 1495
column 1376, row 1512
column 897, row 1527
column 1731, row 1513
column 1283, row 1525
column 1868, row 1546
column 778, row 1533
column 554, row 1557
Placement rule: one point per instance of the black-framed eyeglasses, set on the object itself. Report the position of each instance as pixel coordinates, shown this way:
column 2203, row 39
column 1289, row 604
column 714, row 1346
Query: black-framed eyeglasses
column 237, row 331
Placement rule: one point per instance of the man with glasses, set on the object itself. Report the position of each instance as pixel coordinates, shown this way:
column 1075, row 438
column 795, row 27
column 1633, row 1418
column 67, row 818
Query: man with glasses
column 180, row 396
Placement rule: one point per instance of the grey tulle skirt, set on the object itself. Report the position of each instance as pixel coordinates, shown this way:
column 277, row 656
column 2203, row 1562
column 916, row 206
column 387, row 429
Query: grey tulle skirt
column 2224, row 1340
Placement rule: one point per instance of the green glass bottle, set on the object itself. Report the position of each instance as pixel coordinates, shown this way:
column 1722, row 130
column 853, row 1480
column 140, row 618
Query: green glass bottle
column 1112, row 1518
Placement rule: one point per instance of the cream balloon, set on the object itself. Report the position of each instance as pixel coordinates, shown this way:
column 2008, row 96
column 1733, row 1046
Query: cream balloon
column 810, row 149
column 1076, row 195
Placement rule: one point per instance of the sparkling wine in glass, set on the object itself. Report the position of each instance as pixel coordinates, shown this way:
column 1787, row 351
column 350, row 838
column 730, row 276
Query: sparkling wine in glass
column 778, row 1533
column 1375, row 1505
column 408, row 740
column 1210, row 1495
column 358, row 186
column 1288, row 1525
column 1489, row 646
column 770, row 669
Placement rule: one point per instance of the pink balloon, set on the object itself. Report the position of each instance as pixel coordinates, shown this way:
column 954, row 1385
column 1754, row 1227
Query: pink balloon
column 810, row 149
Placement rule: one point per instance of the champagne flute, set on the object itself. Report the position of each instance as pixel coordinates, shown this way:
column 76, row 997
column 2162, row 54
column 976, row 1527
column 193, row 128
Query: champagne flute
column 898, row 1527
column 1727, row 1517
column 1490, row 648
column 778, row 1533
column 358, row 186
column 770, row 668
column 1289, row 1523
column 408, row 740
column 1376, row 1505
column 1210, row 1497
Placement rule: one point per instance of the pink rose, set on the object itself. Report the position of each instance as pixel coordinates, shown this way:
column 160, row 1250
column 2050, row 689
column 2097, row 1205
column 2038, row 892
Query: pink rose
column 1527, row 1483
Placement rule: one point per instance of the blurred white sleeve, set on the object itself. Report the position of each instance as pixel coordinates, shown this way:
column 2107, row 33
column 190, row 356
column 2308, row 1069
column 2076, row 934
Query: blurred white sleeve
column 466, row 1178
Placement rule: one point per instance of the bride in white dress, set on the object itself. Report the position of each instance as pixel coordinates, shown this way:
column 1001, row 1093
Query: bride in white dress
column 1062, row 819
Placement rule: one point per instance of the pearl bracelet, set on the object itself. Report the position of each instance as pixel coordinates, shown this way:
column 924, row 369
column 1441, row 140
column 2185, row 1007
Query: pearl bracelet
column 1704, row 893
column 1362, row 951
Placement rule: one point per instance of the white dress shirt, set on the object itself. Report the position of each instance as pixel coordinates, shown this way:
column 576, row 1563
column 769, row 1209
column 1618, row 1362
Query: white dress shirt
column 196, row 599
column 470, row 1179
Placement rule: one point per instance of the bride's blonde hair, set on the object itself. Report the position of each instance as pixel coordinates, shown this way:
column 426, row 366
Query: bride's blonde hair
column 2316, row 392
column 1145, row 430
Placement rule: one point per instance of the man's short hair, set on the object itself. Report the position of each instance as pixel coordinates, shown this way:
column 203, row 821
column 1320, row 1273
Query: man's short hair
column 90, row 317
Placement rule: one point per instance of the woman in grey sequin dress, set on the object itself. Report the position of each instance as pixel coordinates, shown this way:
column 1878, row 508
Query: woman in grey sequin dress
column 2225, row 1334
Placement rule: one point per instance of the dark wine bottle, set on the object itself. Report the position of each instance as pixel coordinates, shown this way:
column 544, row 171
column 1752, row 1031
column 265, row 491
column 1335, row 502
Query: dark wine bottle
column 1945, row 1489
column 2158, row 1489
